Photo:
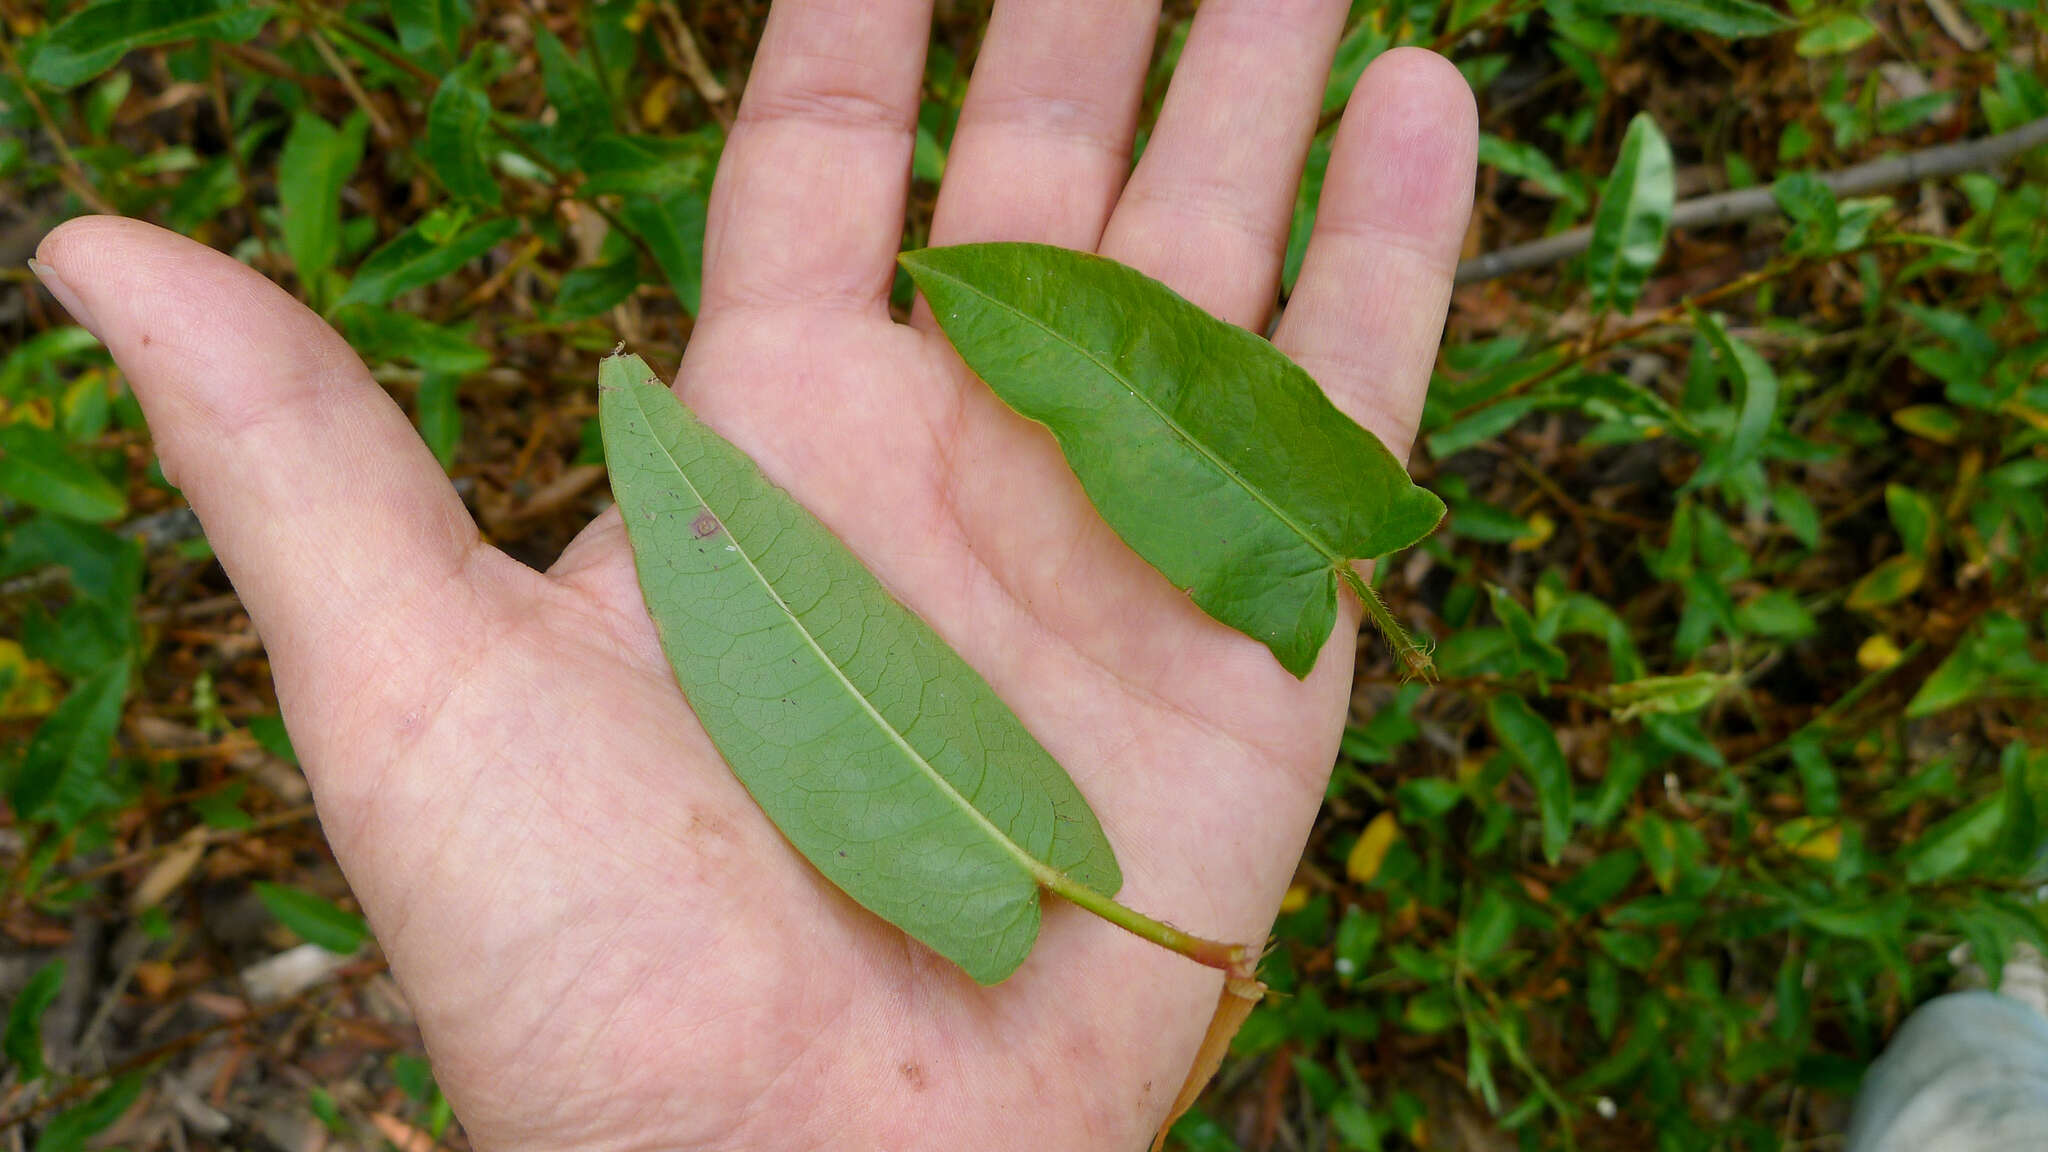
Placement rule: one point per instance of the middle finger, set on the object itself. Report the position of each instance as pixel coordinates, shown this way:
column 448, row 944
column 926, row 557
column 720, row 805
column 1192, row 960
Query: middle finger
column 1208, row 208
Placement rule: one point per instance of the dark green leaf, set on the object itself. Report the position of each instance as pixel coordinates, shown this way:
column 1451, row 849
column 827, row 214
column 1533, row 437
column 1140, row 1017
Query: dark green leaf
column 1913, row 515
column 673, row 228
column 24, row 1040
column 64, row 774
column 431, row 29
column 1949, row 846
column 269, row 732
column 458, row 142
column 1634, row 215
column 95, row 38
column 1486, row 929
column 649, row 166
column 585, row 292
column 39, row 470
column 314, row 920
column 70, row 1130
column 1213, row 456
column 1729, row 19
column 1529, row 740
column 581, row 111
column 1537, row 655
column 385, row 334
column 1756, row 386
column 887, row 761
column 317, row 161
column 414, row 259
column 440, row 417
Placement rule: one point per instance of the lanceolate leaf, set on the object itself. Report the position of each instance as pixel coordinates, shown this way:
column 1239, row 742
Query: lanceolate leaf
column 886, row 760
column 1729, row 19
column 458, row 139
column 318, row 159
column 94, row 40
column 1215, row 457
column 1635, row 213
column 413, row 259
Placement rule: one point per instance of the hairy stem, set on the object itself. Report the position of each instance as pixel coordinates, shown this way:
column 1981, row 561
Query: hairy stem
column 1414, row 657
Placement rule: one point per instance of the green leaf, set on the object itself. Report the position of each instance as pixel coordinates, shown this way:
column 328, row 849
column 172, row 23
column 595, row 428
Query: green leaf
column 1215, row 457
column 585, row 292
column 69, row 1130
column 673, row 229
column 1836, row 34
column 1667, row 695
column 1634, row 215
column 95, row 38
column 1888, row 583
column 1777, row 614
column 649, row 166
column 458, row 140
column 1948, row 847
column 1936, row 422
column 386, row 334
column 314, row 920
column 1728, row 19
column 24, row 1040
column 64, row 771
column 1529, row 740
column 317, row 161
column 1796, row 512
column 414, row 259
column 430, row 29
column 1913, row 515
column 1992, row 659
column 440, row 417
column 1756, row 386
column 37, row 469
column 581, row 111
column 886, row 760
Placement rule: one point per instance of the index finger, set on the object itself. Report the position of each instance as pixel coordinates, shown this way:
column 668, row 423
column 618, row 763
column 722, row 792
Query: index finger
column 808, row 204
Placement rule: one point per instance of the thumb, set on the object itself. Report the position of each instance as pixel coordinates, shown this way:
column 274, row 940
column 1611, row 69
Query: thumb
column 339, row 530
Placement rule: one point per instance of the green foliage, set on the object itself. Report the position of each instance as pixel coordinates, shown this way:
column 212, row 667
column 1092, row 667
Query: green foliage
column 1737, row 605
column 313, row 919
column 860, row 697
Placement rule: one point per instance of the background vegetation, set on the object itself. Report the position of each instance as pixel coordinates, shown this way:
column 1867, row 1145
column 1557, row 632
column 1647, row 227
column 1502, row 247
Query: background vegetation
column 1738, row 750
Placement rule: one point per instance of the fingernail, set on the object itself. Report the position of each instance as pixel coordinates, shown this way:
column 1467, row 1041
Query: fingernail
column 56, row 286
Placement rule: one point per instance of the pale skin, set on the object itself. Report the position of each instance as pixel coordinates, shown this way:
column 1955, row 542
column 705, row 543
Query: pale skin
column 606, row 944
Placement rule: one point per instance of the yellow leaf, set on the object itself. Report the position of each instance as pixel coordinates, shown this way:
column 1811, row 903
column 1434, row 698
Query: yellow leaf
column 658, row 100
column 1877, row 653
column 1538, row 533
column 1371, row 850
column 1295, row 900
column 26, row 686
column 1824, row 845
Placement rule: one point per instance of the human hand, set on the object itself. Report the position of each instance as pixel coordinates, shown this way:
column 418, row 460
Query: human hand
column 606, row 943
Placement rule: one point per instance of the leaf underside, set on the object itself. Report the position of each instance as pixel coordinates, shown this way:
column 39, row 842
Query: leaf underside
column 1214, row 456
column 880, row 754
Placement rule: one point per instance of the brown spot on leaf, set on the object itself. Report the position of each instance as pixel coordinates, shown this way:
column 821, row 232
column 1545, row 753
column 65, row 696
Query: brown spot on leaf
column 705, row 525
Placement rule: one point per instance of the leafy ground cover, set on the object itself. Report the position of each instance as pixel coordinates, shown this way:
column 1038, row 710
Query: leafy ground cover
column 1737, row 748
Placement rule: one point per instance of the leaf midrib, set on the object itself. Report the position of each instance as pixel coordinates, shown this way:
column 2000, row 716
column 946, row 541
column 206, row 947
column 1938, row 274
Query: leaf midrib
column 1331, row 553
column 1040, row 872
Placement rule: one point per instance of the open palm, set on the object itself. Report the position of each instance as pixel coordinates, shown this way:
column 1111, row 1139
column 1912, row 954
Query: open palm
column 606, row 943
